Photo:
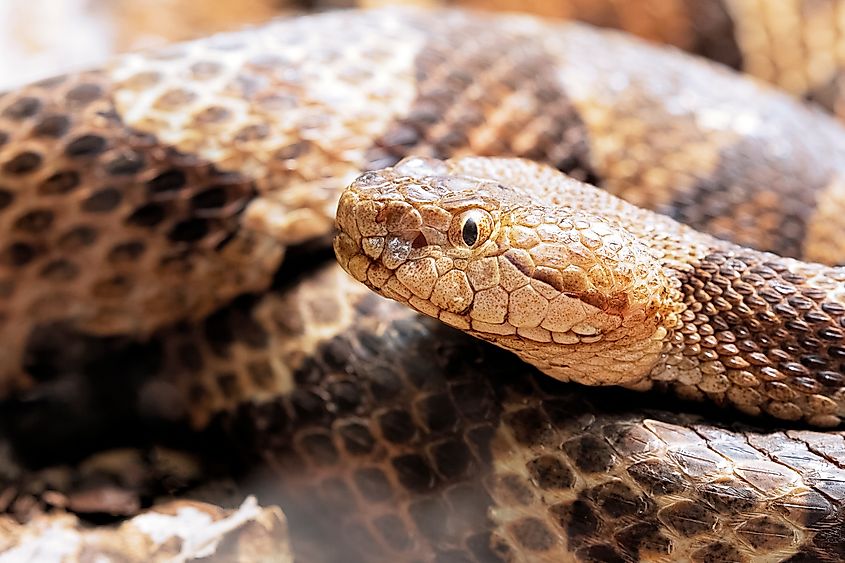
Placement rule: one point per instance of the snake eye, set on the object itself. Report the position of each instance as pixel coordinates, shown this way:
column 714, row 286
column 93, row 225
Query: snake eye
column 471, row 228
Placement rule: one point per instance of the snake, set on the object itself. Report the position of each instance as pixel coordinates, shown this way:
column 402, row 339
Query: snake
column 147, row 199
column 591, row 289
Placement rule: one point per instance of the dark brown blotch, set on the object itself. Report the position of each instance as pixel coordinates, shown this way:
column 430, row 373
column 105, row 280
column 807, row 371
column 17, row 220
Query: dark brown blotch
column 6, row 198
column 766, row 533
column 228, row 384
column 212, row 115
column 22, row 108
column 261, row 374
column 115, row 287
column 644, row 538
column 717, row 552
column 190, row 230
column 414, row 472
column 53, row 125
column 78, row 238
column 148, row 215
column 59, row 270
column 34, row 222
column 589, row 453
column 102, row 201
column 437, row 413
column 126, row 164
column 531, row 427
column 167, row 183
column 23, row 163
column 319, row 448
column 550, row 473
column 397, row 426
column 578, row 519
column 60, row 183
column 451, row 459
column 431, row 518
column 126, row 252
column 689, row 518
column 18, row 254
column 210, row 199
column 86, row 146
column 656, row 477
column 513, row 489
column 357, row 438
column 730, row 496
column 616, row 499
column 308, row 407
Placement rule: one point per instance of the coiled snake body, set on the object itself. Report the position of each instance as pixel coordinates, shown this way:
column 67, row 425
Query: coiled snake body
column 151, row 193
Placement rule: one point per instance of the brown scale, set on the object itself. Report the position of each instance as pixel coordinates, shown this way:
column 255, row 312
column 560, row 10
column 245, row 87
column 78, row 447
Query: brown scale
column 403, row 439
column 104, row 226
column 767, row 337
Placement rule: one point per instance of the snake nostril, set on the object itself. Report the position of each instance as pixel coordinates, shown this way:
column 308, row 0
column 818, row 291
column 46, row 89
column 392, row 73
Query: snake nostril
column 419, row 242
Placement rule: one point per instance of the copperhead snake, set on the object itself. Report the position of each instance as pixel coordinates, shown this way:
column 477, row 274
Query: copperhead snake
column 141, row 199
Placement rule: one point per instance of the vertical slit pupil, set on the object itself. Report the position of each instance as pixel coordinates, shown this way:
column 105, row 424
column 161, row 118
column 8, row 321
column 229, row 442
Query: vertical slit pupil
column 470, row 232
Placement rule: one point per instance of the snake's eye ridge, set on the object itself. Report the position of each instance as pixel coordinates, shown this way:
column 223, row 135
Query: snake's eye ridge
column 471, row 228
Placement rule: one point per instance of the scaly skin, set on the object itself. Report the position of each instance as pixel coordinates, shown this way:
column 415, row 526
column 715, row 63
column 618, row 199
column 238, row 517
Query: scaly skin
column 589, row 288
column 160, row 187
column 394, row 437
column 388, row 436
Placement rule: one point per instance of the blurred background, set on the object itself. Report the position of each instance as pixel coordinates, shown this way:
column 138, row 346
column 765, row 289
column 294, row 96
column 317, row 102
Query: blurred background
column 41, row 38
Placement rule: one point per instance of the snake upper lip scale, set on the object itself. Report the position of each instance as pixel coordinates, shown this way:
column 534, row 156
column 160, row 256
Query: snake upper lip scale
column 591, row 289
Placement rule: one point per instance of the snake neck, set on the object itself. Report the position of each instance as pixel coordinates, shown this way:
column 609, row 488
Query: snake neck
column 760, row 332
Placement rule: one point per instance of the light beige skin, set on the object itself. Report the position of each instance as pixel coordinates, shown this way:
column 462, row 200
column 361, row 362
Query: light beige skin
column 529, row 266
column 591, row 289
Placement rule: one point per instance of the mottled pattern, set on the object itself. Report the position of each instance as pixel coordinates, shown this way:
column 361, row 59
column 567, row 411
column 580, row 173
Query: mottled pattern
column 391, row 437
column 404, row 439
column 592, row 289
column 133, row 197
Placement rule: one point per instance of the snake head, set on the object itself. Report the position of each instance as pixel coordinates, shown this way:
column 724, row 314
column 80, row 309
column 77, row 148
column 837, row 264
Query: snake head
column 514, row 253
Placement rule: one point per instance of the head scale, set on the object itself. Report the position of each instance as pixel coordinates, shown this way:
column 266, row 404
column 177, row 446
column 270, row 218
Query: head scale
column 525, row 265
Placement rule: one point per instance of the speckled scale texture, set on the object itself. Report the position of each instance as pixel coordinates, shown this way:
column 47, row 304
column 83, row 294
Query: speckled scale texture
column 404, row 439
column 589, row 288
column 134, row 195
column 107, row 228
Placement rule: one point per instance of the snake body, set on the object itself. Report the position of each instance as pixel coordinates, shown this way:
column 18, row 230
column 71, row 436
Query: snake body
column 159, row 188
column 139, row 199
column 594, row 290
column 404, row 439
